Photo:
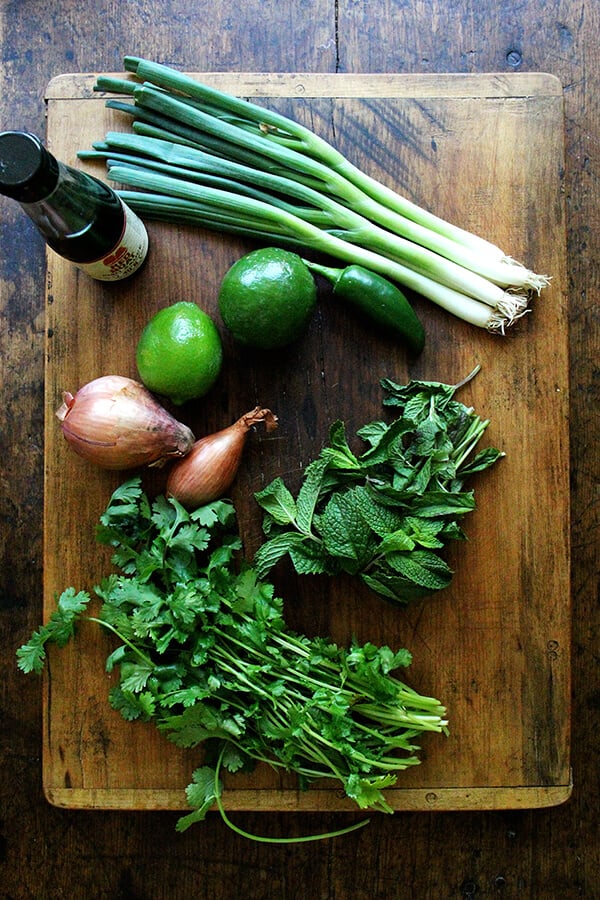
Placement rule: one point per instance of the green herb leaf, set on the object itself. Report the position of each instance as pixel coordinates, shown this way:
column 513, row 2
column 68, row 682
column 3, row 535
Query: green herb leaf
column 312, row 558
column 309, row 493
column 277, row 500
column 201, row 794
column 269, row 553
column 58, row 630
column 344, row 531
column 421, row 567
column 368, row 792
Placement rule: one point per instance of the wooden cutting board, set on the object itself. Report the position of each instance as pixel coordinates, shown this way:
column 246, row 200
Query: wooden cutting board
column 485, row 151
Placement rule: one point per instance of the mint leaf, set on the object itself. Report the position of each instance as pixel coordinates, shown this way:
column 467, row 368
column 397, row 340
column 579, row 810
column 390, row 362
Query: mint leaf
column 309, row 493
column 395, row 541
column 311, row 558
column 442, row 503
column 394, row 587
column 415, row 396
column 425, row 531
column 380, row 518
column 344, row 531
column 338, row 454
column 481, row 461
column 277, row 500
column 422, row 567
column 269, row 553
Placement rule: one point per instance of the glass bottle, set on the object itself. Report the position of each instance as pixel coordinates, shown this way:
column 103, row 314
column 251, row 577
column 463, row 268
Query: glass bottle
column 80, row 218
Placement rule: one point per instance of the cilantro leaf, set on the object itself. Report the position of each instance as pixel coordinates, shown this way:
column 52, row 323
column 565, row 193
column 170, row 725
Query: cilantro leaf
column 198, row 723
column 131, row 705
column 58, row 630
column 201, row 794
column 367, row 792
column 134, row 676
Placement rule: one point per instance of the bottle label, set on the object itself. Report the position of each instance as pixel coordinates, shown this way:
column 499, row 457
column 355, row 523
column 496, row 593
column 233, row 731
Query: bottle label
column 126, row 256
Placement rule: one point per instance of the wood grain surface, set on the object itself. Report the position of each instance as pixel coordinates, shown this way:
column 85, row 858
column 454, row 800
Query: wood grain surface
column 52, row 852
column 495, row 646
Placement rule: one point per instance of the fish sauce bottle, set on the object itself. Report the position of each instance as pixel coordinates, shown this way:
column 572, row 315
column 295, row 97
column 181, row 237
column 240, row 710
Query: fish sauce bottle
column 80, row 218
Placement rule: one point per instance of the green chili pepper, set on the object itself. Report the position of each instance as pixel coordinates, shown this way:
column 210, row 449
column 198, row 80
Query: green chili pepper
column 377, row 298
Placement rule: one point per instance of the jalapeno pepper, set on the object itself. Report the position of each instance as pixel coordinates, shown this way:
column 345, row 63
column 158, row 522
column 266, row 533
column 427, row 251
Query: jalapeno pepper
column 378, row 299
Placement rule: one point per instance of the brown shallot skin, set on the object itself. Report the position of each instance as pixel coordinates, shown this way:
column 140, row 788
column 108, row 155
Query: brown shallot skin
column 209, row 469
column 115, row 423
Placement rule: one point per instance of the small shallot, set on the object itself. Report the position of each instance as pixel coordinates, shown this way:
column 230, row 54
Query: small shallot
column 116, row 423
column 210, row 467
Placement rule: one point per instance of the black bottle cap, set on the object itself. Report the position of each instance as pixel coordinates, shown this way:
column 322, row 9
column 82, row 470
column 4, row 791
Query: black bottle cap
column 28, row 172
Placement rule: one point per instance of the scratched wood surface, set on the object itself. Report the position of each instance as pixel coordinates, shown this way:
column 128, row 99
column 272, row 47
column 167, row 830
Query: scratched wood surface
column 495, row 646
column 51, row 852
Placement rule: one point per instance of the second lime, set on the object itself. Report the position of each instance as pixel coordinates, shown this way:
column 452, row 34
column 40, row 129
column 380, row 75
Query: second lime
column 179, row 354
column 267, row 298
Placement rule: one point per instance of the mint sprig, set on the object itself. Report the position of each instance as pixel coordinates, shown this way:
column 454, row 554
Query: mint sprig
column 386, row 514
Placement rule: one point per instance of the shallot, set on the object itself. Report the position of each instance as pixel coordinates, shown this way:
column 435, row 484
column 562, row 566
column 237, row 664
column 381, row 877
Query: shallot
column 116, row 423
column 210, row 467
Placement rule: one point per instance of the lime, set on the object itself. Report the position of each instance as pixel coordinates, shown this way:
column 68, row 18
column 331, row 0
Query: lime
column 267, row 298
column 179, row 353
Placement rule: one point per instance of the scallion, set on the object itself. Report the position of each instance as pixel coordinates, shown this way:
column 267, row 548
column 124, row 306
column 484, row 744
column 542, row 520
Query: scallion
column 201, row 156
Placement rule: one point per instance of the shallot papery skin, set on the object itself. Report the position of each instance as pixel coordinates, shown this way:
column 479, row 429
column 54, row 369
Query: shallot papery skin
column 209, row 469
column 116, row 423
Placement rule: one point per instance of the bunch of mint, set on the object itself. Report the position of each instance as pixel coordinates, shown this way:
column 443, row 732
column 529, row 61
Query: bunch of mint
column 384, row 515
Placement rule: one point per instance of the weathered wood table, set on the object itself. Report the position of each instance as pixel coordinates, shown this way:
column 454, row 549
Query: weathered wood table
column 486, row 115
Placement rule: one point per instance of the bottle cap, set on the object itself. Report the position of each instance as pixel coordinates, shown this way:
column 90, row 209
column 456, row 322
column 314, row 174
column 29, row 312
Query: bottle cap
column 28, row 173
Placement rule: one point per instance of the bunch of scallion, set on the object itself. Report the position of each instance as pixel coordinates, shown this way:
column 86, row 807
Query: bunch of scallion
column 201, row 156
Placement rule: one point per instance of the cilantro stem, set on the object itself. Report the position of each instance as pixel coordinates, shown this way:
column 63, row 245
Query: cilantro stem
column 273, row 840
column 133, row 647
column 398, row 715
column 374, row 712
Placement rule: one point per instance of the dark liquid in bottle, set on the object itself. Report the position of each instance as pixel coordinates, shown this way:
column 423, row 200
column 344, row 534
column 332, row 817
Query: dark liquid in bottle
column 78, row 230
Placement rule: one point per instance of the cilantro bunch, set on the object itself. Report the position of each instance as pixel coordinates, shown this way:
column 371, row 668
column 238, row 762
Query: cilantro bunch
column 387, row 514
column 203, row 651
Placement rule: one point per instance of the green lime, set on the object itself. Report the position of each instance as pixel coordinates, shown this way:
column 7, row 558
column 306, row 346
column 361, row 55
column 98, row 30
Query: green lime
column 179, row 353
column 267, row 298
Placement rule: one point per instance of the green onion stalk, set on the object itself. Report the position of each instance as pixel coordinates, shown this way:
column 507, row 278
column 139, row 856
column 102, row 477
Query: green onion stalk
column 197, row 155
